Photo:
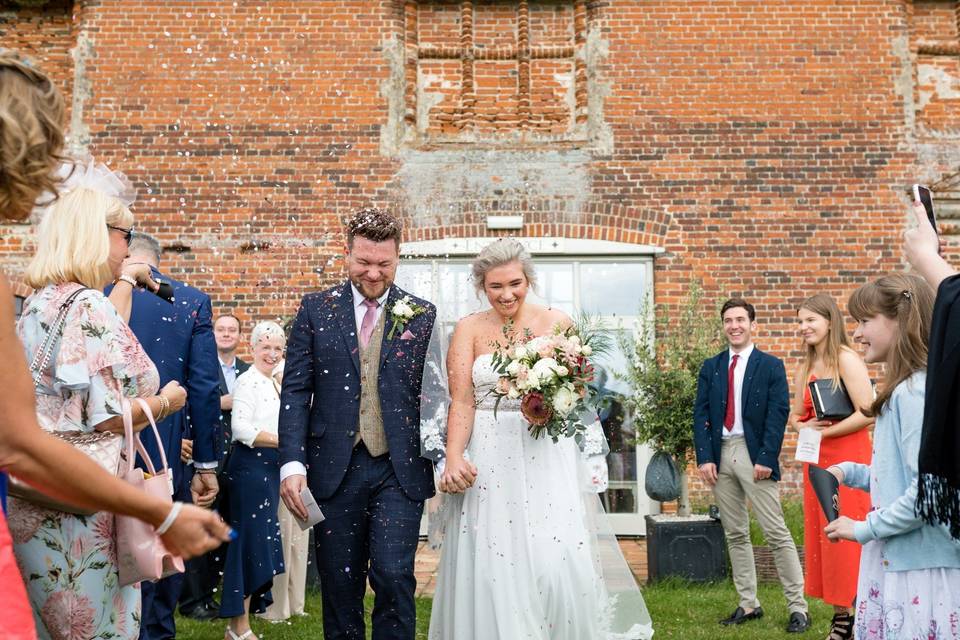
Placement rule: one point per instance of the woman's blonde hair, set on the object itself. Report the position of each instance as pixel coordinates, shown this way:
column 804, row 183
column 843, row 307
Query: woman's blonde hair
column 498, row 253
column 837, row 340
column 73, row 241
column 31, row 135
column 908, row 299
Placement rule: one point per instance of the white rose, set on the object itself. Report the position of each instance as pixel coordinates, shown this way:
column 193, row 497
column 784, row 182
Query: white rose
column 575, row 339
column 546, row 368
column 520, row 352
column 564, row 400
column 562, row 371
column 536, row 343
column 514, row 367
column 402, row 309
column 534, row 380
column 586, row 350
column 513, row 393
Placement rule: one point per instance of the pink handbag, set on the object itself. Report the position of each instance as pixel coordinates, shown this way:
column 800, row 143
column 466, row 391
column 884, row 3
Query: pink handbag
column 141, row 554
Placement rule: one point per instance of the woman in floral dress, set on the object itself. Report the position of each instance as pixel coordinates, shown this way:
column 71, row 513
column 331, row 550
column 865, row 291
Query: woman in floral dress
column 69, row 562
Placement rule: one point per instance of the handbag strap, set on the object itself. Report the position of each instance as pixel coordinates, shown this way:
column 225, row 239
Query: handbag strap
column 41, row 359
column 133, row 440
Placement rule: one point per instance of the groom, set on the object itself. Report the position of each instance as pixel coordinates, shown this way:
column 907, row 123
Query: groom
column 350, row 430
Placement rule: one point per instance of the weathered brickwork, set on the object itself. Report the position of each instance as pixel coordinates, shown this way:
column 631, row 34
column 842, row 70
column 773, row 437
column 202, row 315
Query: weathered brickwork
column 768, row 146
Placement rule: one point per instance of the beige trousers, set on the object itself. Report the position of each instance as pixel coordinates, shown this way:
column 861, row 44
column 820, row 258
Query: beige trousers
column 735, row 485
column 289, row 587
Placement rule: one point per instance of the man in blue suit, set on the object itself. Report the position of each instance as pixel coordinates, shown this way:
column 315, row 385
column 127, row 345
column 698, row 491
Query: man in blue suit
column 738, row 423
column 350, row 430
column 178, row 337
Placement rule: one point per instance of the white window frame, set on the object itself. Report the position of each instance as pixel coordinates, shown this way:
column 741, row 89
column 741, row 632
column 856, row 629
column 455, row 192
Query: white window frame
column 564, row 251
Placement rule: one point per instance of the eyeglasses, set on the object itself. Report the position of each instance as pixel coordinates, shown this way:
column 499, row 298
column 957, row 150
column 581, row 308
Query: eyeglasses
column 127, row 233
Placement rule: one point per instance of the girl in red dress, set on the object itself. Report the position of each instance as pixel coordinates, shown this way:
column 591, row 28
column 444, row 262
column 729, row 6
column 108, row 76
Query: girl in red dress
column 831, row 567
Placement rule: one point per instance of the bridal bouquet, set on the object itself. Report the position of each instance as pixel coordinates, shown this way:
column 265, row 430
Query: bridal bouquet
column 550, row 375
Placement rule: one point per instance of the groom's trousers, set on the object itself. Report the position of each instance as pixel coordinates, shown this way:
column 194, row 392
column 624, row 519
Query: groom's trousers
column 371, row 528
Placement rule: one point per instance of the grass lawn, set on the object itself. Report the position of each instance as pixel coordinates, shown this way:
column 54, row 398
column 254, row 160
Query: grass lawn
column 679, row 610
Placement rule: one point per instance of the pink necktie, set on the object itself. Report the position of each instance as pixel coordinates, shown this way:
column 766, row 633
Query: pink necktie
column 728, row 419
column 369, row 320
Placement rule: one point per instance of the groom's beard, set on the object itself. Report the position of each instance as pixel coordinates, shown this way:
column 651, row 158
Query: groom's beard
column 370, row 290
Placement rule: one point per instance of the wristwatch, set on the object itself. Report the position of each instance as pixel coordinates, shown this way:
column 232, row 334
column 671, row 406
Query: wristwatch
column 128, row 279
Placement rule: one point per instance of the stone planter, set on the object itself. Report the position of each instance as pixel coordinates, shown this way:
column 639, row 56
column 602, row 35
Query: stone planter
column 691, row 547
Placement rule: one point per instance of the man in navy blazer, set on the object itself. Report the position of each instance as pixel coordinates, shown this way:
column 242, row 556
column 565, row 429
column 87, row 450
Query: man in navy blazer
column 179, row 339
column 738, row 422
column 350, row 430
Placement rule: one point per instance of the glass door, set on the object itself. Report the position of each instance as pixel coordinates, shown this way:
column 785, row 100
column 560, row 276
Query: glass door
column 607, row 288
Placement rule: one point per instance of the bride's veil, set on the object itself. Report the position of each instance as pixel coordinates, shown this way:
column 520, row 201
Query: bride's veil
column 626, row 616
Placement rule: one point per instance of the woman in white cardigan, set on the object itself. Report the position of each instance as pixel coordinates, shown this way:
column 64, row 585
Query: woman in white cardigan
column 253, row 477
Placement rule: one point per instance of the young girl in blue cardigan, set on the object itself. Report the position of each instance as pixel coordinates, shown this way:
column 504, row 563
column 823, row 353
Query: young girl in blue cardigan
column 909, row 583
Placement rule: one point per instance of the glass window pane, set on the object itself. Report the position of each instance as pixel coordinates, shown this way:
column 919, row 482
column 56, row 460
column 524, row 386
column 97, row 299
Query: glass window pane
column 417, row 278
column 555, row 286
column 612, row 288
column 456, row 296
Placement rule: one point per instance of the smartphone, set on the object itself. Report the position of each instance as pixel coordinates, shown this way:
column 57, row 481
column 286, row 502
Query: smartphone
column 922, row 194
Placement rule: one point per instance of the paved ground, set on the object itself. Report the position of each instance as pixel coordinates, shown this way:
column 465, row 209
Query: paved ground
column 635, row 551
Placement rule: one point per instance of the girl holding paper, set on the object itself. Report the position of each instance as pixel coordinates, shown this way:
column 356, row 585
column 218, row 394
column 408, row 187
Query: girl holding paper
column 909, row 585
column 831, row 568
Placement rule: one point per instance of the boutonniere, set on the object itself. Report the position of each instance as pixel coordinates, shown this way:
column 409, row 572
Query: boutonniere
column 402, row 312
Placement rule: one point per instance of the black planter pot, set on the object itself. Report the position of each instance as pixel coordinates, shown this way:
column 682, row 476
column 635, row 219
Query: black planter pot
column 692, row 548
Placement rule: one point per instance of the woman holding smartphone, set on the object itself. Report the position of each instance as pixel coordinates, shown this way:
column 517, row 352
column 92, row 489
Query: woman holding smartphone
column 832, row 568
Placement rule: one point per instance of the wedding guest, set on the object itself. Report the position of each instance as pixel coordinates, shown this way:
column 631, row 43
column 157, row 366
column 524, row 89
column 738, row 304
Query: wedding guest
column 82, row 242
column 739, row 418
column 202, row 578
column 832, row 568
column 289, row 588
column 938, row 495
column 31, row 139
column 253, row 479
column 909, row 584
column 178, row 337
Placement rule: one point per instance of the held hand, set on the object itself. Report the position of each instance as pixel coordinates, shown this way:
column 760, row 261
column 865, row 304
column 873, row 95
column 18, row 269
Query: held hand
column 708, row 473
column 140, row 271
column 921, row 242
column 761, row 472
column 840, row 529
column 186, row 450
column 176, row 394
column 837, row 473
column 204, row 488
column 226, row 402
column 195, row 531
column 458, row 476
column 290, row 490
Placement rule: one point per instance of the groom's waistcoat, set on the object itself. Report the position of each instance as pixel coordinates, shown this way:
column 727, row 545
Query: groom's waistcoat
column 370, row 421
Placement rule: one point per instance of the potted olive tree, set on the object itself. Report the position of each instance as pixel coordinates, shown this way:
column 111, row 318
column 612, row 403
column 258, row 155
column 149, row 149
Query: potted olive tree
column 667, row 350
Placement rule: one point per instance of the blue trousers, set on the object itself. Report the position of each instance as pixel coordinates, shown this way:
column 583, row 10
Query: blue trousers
column 371, row 528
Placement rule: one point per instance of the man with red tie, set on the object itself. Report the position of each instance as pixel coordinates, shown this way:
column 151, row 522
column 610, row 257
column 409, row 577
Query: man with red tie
column 738, row 420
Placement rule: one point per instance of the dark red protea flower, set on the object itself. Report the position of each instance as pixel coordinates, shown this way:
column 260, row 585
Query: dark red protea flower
column 535, row 409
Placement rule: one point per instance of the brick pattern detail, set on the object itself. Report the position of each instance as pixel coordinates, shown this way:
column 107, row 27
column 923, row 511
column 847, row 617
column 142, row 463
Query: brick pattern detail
column 502, row 72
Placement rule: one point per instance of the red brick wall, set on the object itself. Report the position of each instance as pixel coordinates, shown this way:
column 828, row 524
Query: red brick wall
column 766, row 145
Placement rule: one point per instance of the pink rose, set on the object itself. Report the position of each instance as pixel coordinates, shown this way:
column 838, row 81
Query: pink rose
column 67, row 615
column 503, row 386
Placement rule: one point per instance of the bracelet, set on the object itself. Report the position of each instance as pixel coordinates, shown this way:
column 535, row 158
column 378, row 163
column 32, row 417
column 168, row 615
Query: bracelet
column 166, row 524
column 128, row 279
column 164, row 407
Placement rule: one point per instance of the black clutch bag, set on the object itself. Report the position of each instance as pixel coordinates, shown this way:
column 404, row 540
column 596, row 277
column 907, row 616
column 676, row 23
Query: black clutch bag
column 830, row 402
column 827, row 490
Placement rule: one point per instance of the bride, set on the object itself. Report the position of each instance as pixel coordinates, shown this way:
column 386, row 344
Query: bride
column 525, row 552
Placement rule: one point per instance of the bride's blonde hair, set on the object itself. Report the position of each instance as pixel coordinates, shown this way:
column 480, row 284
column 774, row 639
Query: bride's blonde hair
column 498, row 253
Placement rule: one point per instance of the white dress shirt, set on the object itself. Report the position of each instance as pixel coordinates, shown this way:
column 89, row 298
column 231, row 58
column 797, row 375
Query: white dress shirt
column 294, row 467
column 738, row 373
column 256, row 406
column 229, row 373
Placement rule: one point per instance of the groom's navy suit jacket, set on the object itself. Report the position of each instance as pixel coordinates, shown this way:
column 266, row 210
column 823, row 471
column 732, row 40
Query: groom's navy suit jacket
column 765, row 405
column 320, row 398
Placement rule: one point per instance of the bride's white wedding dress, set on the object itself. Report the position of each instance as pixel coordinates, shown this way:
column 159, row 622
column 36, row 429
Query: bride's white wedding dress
column 523, row 554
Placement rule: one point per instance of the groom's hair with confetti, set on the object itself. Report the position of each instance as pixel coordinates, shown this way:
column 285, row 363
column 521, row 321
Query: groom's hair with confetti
column 373, row 224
